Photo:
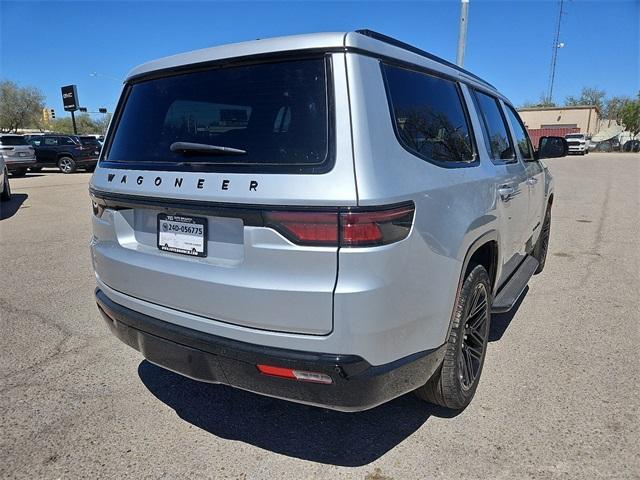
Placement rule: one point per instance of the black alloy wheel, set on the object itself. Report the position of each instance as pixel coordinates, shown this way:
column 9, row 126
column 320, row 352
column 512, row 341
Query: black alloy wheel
column 454, row 384
column 542, row 245
column 475, row 336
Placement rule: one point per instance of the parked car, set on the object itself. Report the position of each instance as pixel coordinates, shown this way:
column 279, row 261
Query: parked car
column 329, row 219
column 18, row 154
column 91, row 141
column 610, row 145
column 5, row 188
column 631, row 146
column 67, row 152
column 578, row 143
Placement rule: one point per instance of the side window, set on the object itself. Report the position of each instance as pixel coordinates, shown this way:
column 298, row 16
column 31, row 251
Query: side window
column 429, row 116
column 35, row 141
column 521, row 136
column 50, row 141
column 494, row 128
column 65, row 141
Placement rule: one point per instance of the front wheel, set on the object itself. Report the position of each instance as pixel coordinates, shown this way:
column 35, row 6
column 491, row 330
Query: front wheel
column 67, row 165
column 19, row 172
column 454, row 384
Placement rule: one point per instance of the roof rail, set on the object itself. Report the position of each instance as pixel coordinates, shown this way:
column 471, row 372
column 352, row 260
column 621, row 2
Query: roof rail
column 405, row 46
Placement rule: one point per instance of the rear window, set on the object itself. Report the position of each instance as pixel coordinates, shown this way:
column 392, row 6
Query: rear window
column 278, row 113
column 13, row 140
column 89, row 141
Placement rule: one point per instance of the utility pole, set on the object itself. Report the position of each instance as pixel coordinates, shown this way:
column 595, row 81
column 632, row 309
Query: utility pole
column 462, row 32
column 554, row 53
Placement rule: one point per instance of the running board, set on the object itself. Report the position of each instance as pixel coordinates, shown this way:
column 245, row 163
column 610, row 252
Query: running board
column 511, row 291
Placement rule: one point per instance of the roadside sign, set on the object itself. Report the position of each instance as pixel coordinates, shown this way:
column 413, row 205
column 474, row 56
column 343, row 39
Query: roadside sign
column 70, row 98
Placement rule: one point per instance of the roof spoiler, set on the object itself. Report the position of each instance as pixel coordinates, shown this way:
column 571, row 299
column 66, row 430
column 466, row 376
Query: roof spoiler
column 405, row 46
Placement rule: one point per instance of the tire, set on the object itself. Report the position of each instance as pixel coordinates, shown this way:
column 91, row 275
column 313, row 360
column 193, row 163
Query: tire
column 454, row 384
column 19, row 172
column 90, row 168
column 542, row 245
column 35, row 169
column 67, row 165
column 6, row 191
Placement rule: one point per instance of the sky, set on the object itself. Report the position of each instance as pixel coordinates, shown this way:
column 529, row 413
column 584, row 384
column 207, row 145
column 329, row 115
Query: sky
column 509, row 43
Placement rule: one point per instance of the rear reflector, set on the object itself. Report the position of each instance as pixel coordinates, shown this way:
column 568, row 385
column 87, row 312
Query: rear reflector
column 300, row 375
column 352, row 228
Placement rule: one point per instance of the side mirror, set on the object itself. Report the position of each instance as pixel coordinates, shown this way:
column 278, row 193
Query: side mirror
column 552, row 147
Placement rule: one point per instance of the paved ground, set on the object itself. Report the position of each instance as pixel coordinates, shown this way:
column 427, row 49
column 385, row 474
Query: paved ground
column 558, row 397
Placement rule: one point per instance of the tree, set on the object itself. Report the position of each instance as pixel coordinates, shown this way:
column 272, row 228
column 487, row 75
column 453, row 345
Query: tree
column 613, row 107
column 630, row 116
column 543, row 101
column 103, row 123
column 84, row 123
column 20, row 107
column 588, row 96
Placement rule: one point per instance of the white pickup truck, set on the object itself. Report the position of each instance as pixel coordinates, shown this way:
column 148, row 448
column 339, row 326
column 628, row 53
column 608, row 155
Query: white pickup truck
column 578, row 143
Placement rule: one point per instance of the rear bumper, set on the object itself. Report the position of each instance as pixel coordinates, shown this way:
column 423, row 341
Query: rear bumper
column 18, row 163
column 356, row 386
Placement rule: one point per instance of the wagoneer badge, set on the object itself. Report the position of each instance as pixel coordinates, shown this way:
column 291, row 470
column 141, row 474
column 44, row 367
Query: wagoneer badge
column 178, row 181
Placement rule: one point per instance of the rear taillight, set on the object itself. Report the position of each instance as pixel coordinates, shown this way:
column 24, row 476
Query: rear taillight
column 376, row 227
column 351, row 228
column 305, row 228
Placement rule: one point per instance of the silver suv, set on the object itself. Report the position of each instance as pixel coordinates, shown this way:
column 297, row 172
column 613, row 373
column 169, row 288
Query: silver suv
column 17, row 153
column 327, row 218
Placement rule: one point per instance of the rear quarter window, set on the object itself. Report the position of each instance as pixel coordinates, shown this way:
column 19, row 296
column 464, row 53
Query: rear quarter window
column 277, row 112
column 429, row 117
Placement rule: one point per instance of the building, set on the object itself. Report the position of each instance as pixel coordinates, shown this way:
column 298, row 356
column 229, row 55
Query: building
column 585, row 118
column 560, row 121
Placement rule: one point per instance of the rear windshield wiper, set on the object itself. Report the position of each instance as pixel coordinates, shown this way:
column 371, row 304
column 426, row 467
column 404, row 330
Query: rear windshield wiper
column 188, row 148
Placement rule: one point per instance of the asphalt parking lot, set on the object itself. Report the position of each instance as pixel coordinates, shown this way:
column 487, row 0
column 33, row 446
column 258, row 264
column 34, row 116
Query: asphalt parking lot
column 559, row 396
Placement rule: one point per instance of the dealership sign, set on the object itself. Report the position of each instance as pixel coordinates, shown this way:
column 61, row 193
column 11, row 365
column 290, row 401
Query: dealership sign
column 70, row 98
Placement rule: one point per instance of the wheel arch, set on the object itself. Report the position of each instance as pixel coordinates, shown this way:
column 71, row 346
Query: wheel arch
column 485, row 250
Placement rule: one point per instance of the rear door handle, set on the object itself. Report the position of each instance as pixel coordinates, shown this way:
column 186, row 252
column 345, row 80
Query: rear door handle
column 505, row 192
column 532, row 181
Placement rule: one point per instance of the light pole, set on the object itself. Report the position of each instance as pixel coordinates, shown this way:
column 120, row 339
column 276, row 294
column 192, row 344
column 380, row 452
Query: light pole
column 557, row 44
column 462, row 32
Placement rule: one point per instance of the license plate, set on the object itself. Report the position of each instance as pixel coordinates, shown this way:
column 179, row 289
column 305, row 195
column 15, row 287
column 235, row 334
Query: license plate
column 22, row 154
column 184, row 235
